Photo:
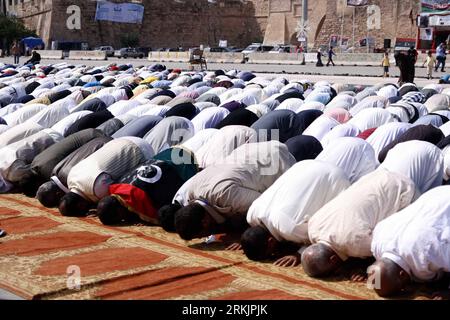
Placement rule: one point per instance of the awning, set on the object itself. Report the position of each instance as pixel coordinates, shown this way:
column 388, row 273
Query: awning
column 33, row 42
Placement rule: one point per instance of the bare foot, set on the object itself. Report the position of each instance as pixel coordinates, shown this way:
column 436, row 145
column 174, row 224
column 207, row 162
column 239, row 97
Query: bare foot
column 358, row 277
column 288, row 261
column 234, row 247
column 441, row 295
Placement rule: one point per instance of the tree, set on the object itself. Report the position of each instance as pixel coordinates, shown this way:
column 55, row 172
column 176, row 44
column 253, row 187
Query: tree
column 11, row 29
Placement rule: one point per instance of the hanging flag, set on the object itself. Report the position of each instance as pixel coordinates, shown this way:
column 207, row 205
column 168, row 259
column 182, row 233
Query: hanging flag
column 119, row 12
column 435, row 5
column 357, row 3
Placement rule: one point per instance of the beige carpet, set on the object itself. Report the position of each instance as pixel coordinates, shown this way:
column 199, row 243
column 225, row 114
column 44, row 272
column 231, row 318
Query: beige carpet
column 43, row 252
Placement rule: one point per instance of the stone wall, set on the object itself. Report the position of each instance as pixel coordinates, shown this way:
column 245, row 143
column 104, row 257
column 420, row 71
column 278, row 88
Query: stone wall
column 397, row 20
column 169, row 23
column 325, row 19
column 186, row 24
column 36, row 14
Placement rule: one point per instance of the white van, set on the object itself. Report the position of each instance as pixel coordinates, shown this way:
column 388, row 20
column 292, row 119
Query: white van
column 109, row 50
column 257, row 47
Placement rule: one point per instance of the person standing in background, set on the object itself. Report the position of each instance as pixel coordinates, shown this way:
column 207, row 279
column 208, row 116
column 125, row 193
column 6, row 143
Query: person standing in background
column 319, row 59
column 330, row 57
column 401, row 62
column 441, row 56
column 430, row 62
column 386, row 64
column 412, row 60
column 15, row 51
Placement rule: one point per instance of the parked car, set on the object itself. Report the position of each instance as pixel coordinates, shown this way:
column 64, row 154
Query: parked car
column 218, row 49
column 109, row 50
column 283, row 49
column 144, row 50
column 235, row 49
column 129, row 53
column 257, row 47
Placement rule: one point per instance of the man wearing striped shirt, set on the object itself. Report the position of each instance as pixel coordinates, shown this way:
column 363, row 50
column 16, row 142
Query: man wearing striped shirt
column 90, row 179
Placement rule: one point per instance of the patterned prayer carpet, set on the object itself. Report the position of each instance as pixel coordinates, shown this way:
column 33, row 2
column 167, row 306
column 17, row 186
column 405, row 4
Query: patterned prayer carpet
column 38, row 256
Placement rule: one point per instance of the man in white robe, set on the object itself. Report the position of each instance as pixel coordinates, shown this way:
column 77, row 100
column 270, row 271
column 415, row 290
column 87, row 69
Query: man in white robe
column 62, row 125
column 218, row 198
column 50, row 115
column 223, row 143
column 368, row 103
column 421, row 161
column 342, row 130
column 23, row 114
column 371, row 118
column 199, row 139
column 320, row 127
column 209, row 118
column 23, row 152
column 343, row 227
column 19, row 132
column 353, row 155
column 413, row 245
column 169, row 132
column 386, row 134
column 279, row 217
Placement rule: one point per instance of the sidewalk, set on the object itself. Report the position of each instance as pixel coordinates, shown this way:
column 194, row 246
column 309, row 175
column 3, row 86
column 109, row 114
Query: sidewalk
column 341, row 74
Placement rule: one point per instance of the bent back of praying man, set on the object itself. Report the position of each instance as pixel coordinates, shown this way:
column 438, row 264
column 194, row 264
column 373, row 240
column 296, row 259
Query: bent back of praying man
column 413, row 245
column 216, row 200
column 90, row 179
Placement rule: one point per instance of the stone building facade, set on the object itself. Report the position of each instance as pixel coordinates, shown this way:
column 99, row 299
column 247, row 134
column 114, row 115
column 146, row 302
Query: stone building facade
column 172, row 23
column 382, row 19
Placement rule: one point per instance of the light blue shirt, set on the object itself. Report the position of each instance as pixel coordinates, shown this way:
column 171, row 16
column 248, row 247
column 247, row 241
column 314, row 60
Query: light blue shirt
column 440, row 51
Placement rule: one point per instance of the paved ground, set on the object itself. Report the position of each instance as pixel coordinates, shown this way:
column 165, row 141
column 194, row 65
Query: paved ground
column 342, row 74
